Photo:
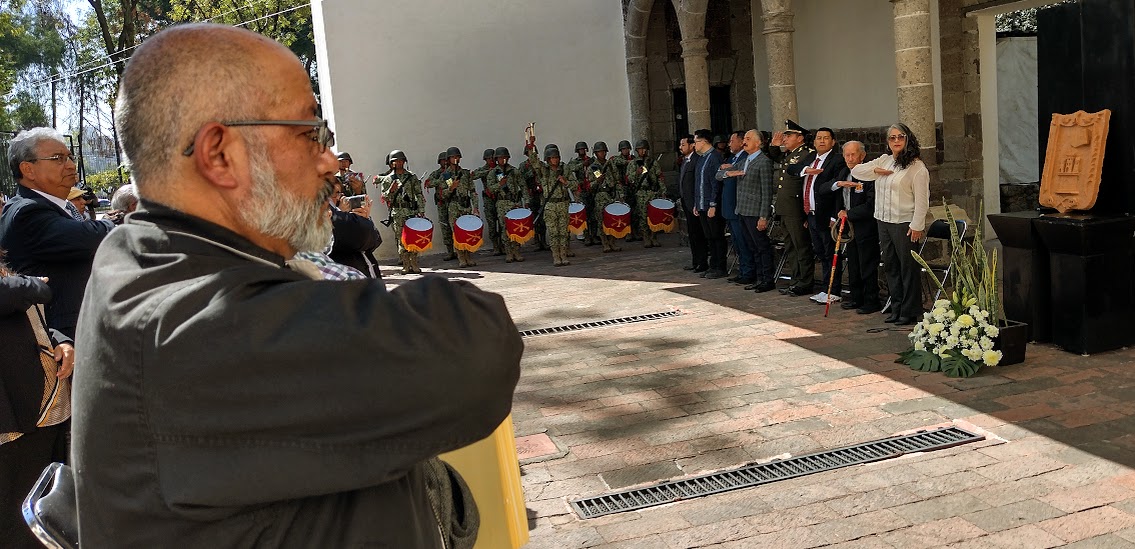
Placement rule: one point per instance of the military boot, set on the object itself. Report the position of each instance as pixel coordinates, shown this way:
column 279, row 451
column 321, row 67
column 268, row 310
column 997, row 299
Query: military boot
column 614, row 247
column 414, row 268
column 557, row 257
column 451, row 255
column 606, row 241
column 564, row 253
column 404, row 256
column 567, row 249
column 469, row 261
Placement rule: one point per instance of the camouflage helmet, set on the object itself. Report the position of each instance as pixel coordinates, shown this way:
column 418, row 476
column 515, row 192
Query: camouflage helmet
column 345, row 156
column 624, row 144
column 395, row 155
column 442, row 157
column 599, row 146
column 642, row 144
column 501, row 152
column 551, row 146
column 549, row 152
column 719, row 139
column 487, row 154
column 452, row 151
column 581, row 145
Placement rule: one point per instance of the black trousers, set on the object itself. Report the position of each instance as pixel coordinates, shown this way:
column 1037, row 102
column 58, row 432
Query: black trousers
column 763, row 260
column 904, row 275
column 862, row 256
column 824, row 248
column 21, row 462
column 714, row 230
column 699, row 248
column 798, row 248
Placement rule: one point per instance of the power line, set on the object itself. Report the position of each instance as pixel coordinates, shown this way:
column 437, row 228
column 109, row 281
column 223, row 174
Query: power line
column 59, row 77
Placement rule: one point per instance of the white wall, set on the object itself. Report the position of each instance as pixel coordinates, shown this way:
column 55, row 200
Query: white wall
column 845, row 62
column 423, row 75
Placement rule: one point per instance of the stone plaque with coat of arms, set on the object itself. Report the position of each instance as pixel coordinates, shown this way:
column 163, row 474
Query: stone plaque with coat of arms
column 1073, row 162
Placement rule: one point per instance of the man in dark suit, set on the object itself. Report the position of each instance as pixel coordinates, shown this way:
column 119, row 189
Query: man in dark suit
column 37, row 228
column 790, row 149
column 820, row 204
column 729, row 191
column 686, row 184
column 354, row 234
column 857, row 199
column 707, row 202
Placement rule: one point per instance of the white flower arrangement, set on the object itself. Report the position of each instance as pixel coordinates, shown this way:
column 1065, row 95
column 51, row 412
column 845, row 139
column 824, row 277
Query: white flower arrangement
column 957, row 336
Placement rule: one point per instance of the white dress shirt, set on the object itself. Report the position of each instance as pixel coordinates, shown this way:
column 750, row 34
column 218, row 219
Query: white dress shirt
column 811, row 190
column 53, row 199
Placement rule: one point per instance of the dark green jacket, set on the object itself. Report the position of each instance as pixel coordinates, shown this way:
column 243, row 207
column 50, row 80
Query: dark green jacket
column 231, row 402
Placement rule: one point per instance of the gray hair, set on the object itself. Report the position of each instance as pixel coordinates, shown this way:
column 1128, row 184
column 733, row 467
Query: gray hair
column 124, row 198
column 22, row 148
column 162, row 103
column 859, row 144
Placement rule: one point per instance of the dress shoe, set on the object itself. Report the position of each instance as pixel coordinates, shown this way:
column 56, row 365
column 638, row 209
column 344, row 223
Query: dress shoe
column 764, row 287
column 850, row 305
column 753, row 286
column 688, row 268
column 868, row 309
column 701, row 269
column 892, row 319
column 904, row 321
column 793, row 291
column 745, row 281
column 714, row 274
column 733, row 278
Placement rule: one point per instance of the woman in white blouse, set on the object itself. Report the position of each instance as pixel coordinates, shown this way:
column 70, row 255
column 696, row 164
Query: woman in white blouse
column 902, row 205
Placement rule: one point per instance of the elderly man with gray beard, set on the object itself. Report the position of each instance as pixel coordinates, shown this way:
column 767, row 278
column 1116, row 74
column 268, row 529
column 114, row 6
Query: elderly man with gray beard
column 221, row 407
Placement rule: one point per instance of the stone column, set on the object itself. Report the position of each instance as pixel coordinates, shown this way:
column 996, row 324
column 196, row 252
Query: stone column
column 694, row 55
column 635, row 26
column 781, row 61
column 915, row 78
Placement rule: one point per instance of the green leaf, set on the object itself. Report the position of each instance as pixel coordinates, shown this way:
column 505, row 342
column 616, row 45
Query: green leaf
column 959, row 366
column 923, row 361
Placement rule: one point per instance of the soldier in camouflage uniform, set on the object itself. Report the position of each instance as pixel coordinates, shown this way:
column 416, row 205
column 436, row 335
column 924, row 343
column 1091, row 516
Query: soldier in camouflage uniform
column 603, row 182
column 626, row 192
column 492, row 225
column 553, row 177
column 402, row 193
column 460, row 196
column 535, row 198
column 435, row 181
column 508, row 186
column 577, row 178
column 646, row 176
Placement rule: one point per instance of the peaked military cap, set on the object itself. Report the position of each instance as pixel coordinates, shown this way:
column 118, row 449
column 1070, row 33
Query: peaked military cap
column 792, row 127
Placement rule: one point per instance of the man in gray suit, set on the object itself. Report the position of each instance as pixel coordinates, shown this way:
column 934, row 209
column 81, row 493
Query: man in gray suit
column 754, row 207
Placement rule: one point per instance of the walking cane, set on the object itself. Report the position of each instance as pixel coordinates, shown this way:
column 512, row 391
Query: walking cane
column 835, row 261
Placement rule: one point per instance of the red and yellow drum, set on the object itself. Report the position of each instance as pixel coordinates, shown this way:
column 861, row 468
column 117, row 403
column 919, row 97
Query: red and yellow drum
column 468, row 233
column 660, row 215
column 617, row 220
column 577, row 218
column 519, row 224
column 417, row 234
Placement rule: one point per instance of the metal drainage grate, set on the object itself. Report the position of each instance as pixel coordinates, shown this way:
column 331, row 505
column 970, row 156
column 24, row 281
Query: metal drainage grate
column 764, row 473
column 598, row 324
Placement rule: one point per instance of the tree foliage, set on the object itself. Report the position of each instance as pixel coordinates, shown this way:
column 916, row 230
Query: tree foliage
column 32, row 46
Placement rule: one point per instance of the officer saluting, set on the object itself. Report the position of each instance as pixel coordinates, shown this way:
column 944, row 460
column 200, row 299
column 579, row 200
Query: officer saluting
column 789, row 149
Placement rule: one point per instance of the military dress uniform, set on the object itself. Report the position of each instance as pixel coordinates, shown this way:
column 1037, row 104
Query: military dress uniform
column 460, row 196
column 507, row 184
column 435, row 181
column 554, row 182
column 789, row 206
column 646, row 176
column 493, row 227
column 402, row 193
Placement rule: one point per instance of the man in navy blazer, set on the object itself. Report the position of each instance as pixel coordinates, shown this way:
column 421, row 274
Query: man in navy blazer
column 37, row 231
column 747, row 267
column 707, row 202
column 820, row 204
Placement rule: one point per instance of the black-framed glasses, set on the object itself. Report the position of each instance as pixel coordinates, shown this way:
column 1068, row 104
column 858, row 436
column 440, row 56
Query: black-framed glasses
column 61, row 158
column 320, row 132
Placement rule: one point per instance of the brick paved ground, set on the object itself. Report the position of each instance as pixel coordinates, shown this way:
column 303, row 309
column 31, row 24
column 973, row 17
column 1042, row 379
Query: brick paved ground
column 741, row 377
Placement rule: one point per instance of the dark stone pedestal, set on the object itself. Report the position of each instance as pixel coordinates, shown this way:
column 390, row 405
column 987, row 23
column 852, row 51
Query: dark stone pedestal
column 1092, row 267
column 1026, row 297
